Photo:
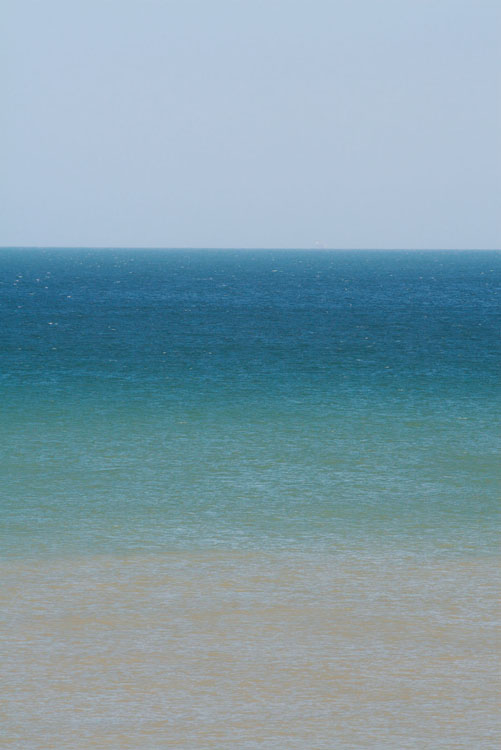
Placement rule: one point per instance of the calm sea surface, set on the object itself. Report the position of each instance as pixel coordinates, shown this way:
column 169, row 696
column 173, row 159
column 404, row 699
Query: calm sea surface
column 249, row 499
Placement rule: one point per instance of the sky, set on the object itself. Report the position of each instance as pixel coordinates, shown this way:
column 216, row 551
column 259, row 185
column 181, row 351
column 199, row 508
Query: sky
column 250, row 123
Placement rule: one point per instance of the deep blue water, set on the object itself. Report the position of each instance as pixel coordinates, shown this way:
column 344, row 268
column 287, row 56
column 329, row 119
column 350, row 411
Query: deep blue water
column 158, row 399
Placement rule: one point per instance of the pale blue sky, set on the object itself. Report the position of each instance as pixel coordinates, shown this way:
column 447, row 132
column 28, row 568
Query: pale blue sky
column 251, row 123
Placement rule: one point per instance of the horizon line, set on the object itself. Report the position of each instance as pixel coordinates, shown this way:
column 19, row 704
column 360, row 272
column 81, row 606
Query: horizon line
column 248, row 248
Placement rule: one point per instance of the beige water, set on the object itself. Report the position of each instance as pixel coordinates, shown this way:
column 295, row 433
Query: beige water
column 249, row 650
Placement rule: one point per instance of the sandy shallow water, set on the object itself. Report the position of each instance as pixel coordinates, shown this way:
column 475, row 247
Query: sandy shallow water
column 247, row 649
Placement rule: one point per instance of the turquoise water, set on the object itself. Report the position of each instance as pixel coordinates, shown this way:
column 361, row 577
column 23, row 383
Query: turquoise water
column 161, row 399
column 249, row 500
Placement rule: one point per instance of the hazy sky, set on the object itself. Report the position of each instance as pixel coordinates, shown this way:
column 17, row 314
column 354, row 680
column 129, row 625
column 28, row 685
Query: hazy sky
column 251, row 123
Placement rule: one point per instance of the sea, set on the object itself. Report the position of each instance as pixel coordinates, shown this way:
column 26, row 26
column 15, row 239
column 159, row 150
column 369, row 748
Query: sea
column 249, row 499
